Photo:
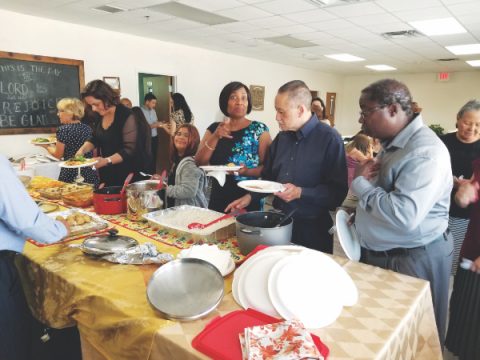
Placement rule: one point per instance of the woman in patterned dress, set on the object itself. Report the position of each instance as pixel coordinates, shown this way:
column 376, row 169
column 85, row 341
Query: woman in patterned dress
column 71, row 135
column 236, row 140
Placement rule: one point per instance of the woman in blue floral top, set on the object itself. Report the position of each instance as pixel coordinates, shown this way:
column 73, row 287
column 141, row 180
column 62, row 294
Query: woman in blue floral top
column 236, row 140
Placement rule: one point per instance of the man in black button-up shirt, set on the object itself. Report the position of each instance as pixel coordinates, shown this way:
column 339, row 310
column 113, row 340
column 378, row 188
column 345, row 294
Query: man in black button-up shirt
column 308, row 157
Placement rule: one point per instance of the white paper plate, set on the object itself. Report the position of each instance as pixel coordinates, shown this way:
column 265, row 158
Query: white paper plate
column 62, row 164
column 220, row 168
column 273, row 289
column 228, row 270
column 261, row 186
column 255, row 283
column 347, row 235
column 343, row 285
column 306, row 290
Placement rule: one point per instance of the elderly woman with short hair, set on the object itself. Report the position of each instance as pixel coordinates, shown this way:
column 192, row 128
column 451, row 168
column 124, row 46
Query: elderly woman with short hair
column 464, row 147
column 236, row 140
column 71, row 135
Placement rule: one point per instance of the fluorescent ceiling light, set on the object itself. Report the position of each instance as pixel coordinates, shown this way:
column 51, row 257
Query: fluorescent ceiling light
column 191, row 13
column 290, row 41
column 467, row 49
column 474, row 63
column 381, row 67
column 345, row 57
column 446, row 26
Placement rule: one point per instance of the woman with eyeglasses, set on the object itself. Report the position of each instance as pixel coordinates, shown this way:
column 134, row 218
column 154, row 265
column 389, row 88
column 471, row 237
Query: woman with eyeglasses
column 71, row 135
column 186, row 181
column 236, row 140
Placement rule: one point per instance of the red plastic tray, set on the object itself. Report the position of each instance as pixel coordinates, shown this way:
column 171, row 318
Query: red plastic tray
column 220, row 341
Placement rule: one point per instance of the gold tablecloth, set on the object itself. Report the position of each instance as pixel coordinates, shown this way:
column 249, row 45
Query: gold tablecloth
column 393, row 318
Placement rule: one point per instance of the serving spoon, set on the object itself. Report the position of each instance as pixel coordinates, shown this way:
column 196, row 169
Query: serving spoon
column 234, row 213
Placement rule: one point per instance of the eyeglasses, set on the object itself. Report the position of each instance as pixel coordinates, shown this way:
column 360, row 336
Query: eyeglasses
column 365, row 113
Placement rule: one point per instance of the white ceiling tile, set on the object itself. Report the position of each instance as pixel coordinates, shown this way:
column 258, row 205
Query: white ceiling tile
column 271, row 22
column 310, row 16
column 286, row 6
column 331, row 25
column 465, row 8
column 211, row 5
column 398, row 5
column 373, row 19
column 262, row 33
column 423, row 14
column 353, row 10
column 388, row 27
column 236, row 27
column 292, row 29
column 455, row 39
column 244, row 13
column 174, row 25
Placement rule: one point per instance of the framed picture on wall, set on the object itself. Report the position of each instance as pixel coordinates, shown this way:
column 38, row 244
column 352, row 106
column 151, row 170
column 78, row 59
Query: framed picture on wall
column 113, row 81
column 258, row 97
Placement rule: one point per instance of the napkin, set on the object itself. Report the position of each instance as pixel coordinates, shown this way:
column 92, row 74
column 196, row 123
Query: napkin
column 288, row 340
column 219, row 175
column 211, row 253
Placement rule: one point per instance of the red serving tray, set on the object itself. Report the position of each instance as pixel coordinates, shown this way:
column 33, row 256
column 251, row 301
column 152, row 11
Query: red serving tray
column 220, row 340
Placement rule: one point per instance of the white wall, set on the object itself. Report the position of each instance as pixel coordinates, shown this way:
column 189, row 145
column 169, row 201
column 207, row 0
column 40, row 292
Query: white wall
column 440, row 100
column 201, row 74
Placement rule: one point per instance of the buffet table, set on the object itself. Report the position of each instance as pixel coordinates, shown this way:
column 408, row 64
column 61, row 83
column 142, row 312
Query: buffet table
column 393, row 318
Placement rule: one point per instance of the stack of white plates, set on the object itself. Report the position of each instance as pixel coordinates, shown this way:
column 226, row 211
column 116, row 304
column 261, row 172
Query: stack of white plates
column 293, row 282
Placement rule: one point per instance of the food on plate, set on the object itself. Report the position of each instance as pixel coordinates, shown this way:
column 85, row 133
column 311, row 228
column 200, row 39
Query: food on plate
column 41, row 182
column 53, row 193
column 40, row 140
column 79, row 160
column 231, row 164
column 47, row 207
column 70, row 188
column 75, row 219
column 79, row 198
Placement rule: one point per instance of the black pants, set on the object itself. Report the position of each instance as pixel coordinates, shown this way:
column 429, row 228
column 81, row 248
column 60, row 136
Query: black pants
column 432, row 262
column 313, row 233
column 15, row 317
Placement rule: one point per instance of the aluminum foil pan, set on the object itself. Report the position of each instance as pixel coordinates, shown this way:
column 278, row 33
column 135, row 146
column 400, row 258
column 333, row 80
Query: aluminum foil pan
column 185, row 289
column 146, row 253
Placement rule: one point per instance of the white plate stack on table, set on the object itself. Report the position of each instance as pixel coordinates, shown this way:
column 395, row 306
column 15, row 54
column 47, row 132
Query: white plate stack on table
column 294, row 282
column 219, row 172
column 221, row 259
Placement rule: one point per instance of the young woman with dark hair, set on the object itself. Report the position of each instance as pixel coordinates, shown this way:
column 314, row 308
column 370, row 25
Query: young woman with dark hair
column 186, row 181
column 181, row 113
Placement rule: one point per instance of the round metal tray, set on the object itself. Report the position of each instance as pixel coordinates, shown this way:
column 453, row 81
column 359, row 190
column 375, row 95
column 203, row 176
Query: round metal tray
column 185, row 289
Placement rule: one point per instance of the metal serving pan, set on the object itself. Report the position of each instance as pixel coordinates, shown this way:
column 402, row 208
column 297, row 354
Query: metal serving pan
column 185, row 289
